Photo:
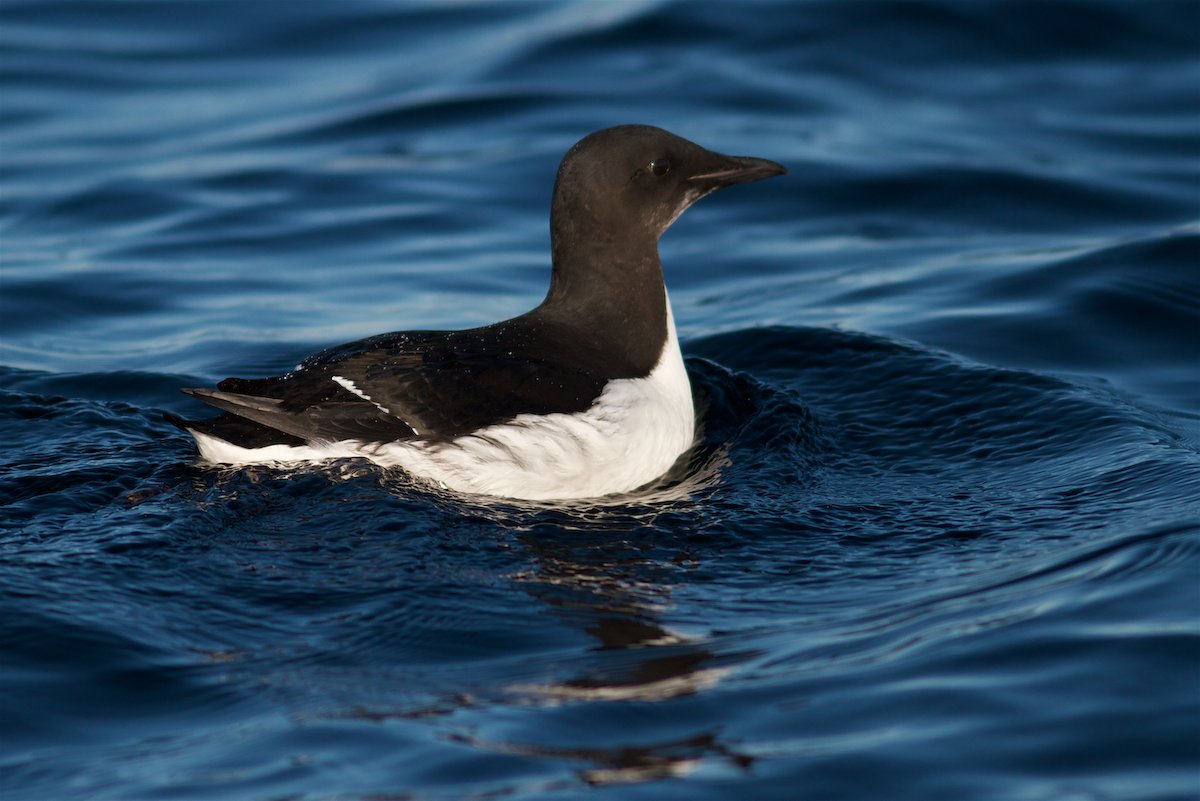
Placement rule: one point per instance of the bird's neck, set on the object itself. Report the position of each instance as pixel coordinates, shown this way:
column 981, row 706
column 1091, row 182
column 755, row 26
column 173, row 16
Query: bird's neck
column 609, row 293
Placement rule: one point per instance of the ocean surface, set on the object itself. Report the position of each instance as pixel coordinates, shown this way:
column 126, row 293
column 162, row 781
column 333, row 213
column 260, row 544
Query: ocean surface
column 939, row 538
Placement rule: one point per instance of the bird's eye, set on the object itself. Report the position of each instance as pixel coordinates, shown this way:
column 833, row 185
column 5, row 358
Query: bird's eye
column 660, row 167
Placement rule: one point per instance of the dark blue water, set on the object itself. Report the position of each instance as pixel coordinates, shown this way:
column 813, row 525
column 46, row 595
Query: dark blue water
column 941, row 539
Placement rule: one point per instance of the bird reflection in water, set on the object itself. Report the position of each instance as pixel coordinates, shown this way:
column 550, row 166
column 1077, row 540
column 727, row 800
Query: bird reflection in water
column 609, row 590
column 628, row 765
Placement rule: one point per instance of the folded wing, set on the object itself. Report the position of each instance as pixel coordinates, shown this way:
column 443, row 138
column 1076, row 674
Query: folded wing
column 415, row 385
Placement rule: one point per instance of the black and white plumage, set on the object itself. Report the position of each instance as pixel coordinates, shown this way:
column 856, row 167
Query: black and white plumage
column 583, row 396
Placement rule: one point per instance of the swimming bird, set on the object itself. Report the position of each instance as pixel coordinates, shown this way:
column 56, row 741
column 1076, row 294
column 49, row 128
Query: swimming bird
column 586, row 395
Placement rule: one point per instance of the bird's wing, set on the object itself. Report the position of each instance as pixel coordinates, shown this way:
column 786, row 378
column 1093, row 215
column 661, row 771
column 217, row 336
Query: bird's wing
column 406, row 386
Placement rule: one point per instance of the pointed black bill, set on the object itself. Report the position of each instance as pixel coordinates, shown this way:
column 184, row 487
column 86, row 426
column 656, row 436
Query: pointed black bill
column 739, row 170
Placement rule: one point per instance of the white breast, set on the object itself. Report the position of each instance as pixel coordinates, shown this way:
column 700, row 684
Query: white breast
column 630, row 436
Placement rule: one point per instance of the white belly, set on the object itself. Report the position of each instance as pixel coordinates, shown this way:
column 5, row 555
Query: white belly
column 630, row 436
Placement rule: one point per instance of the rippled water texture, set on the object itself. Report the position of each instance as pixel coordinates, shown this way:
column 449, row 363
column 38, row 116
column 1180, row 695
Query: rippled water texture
column 940, row 538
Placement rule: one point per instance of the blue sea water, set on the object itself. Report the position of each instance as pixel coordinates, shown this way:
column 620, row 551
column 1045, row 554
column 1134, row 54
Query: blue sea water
column 940, row 538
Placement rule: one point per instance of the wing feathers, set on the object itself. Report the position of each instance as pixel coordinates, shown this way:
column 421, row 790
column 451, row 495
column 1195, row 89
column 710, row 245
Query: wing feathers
column 319, row 422
column 426, row 385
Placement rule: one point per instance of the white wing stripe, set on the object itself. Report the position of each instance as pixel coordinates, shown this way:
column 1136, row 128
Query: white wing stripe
column 349, row 385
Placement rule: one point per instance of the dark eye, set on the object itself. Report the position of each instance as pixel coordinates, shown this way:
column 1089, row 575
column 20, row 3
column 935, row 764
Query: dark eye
column 660, row 167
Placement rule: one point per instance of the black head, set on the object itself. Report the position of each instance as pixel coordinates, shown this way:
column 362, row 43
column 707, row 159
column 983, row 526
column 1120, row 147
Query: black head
column 632, row 181
column 616, row 192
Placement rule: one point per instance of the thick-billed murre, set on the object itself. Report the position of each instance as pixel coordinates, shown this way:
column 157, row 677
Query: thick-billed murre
column 583, row 396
